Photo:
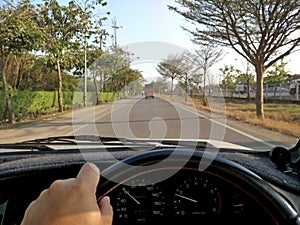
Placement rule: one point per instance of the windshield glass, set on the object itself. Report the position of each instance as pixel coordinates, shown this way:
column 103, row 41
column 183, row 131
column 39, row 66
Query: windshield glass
column 159, row 69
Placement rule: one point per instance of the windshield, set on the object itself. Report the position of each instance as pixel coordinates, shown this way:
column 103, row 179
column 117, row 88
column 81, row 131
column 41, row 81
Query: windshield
column 162, row 69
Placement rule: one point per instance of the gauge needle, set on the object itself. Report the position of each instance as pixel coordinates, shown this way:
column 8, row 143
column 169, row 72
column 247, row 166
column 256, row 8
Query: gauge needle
column 190, row 199
column 133, row 198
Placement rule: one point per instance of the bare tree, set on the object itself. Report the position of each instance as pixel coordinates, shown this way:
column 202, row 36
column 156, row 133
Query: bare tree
column 204, row 58
column 187, row 70
column 262, row 31
column 170, row 68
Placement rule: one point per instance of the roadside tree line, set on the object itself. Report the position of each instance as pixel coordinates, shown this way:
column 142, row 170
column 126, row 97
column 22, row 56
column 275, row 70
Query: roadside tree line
column 234, row 80
column 190, row 70
column 50, row 46
column 262, row 32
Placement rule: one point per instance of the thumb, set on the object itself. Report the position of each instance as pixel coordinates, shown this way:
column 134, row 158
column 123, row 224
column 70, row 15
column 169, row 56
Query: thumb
column 89, row 175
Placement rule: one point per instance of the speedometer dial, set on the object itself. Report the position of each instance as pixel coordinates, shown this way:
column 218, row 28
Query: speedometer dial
column 139, row 201
column 197, row 196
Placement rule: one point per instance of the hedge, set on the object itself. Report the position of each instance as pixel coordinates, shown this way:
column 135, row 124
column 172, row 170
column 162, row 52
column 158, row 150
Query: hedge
column 36, row 103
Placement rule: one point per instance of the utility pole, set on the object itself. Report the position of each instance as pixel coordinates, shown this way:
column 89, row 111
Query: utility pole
column 115, row 27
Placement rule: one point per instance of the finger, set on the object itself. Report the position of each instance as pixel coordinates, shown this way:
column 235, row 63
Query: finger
column 89, row 176
column 106, row 209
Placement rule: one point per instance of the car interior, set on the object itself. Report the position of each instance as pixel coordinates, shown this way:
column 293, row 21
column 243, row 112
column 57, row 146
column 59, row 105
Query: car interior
column 172, row 183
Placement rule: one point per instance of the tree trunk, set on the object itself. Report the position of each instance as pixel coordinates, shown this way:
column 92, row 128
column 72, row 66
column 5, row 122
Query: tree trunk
column 248, row 88
column 16, row 71
column 104, row 83
column 204, row 83
column 172, row 87
column 186, row 88
column 96, row 91
column 9, row 106
column 204, row 87
column 259, row 91
column 60, row 93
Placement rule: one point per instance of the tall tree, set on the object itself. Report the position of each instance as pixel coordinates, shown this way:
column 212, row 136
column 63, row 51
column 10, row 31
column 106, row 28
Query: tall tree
column 90, row 26
column 262, row 32
column 204, row 58
column 61, row 25
column 18, row 34
column 170, row 68
column 111, row 67
column 187, row 70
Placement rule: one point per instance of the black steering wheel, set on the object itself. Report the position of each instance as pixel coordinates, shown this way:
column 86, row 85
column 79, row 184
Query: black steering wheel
column 182, row 186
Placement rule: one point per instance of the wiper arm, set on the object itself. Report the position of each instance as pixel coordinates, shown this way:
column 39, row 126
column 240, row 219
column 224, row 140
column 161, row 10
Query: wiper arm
column 50, row 140
column 49, row 143
column 75, row 142
column 31, row 147
column 68, row 140
column 93, row 139
column 43, row 144
column 40, row 144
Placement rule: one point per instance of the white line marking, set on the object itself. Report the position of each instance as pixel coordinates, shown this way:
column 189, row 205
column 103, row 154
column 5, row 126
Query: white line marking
column 226, row 126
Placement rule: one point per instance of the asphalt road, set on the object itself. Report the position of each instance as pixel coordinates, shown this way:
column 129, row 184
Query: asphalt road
column 148, row 118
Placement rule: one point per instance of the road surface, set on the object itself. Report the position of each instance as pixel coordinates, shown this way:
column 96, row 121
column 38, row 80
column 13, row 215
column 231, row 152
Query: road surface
column 148, row 118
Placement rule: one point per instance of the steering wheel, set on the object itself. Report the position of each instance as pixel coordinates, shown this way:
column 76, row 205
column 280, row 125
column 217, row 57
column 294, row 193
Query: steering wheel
column 180, row 186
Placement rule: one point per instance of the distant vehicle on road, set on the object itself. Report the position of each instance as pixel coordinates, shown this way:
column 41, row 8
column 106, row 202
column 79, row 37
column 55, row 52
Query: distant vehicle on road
column 149, row 91
column 293, row 86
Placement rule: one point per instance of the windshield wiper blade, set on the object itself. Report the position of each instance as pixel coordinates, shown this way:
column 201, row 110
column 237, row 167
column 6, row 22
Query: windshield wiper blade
column 93, row 141
column 49, row 140
column 68, row 143
column 69, row 140
column 44, row 144
column 20, row 146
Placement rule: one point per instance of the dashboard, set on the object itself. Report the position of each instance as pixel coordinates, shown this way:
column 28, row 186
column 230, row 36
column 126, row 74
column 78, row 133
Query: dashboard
column 154, row 188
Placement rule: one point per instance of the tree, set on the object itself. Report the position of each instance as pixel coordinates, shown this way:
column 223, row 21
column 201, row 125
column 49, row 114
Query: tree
column 90, row 25
column 160, row 85
column 230, row 77
column 170, row 68
column 18, row 34
column 247, row 78
column 114, row 70
column 204, row 58
column 277, row 76
column 91, row 22
column 262, row 32
column 60, row 24
column 186, row 72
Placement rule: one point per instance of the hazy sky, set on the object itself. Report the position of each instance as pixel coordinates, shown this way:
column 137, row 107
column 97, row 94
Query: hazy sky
column 147, row 20
column 151, row 20
column 151, row 26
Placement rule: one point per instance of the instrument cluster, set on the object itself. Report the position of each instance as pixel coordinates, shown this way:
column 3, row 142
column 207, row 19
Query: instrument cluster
column 189, row 195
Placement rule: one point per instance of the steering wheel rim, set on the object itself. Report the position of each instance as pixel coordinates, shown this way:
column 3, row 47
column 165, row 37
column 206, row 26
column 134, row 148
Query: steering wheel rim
column 262, row 192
